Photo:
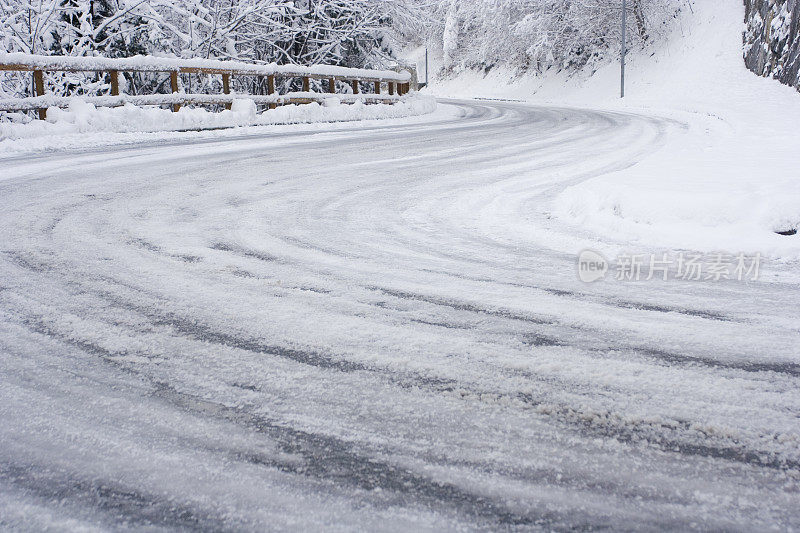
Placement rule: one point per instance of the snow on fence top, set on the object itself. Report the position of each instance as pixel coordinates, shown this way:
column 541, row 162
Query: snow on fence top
column 43, row 102
column 28, row 62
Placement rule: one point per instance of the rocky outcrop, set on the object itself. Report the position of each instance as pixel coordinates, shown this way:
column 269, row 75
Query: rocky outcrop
column 772, row 39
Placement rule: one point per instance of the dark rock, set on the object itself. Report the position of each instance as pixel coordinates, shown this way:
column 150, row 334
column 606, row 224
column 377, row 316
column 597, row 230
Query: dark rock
column 772, row 39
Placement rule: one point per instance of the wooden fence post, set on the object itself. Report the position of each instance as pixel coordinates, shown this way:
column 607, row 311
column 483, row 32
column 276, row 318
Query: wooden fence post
column 271, row 89
column 38, row 81
column 114, row 82
column 306, row 84
column 332, row 86
column 173, row 82
column 355, row 86
column 226, row 87
column 377, row 87
column 391, row 88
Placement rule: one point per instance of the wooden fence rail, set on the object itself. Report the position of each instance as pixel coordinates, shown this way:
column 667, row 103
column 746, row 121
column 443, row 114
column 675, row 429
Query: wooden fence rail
column 397, row 83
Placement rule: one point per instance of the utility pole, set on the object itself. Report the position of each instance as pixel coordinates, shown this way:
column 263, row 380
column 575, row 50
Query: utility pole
column 623, row 50
column 426, row 66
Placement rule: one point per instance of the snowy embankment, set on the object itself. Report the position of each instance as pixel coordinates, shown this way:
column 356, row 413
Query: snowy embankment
column 81, row 117
column 82, row 124
column 728, row 184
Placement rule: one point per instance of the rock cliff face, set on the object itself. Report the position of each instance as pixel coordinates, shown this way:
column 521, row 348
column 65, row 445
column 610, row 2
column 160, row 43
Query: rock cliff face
column 772, row 39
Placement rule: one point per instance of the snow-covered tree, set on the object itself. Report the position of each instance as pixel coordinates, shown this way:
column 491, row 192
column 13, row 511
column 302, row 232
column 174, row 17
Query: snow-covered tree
column 535, row 34
column 307, row 32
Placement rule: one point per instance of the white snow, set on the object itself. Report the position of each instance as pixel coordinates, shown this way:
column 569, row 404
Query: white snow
column 378, row 325
column 66, row 127
column 168, row 64
column 51, row 100
column 352, row 327
column 727, row 183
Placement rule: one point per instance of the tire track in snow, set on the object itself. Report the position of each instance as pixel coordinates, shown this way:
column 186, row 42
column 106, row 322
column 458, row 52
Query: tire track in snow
column 589, row 423
column 324, row 457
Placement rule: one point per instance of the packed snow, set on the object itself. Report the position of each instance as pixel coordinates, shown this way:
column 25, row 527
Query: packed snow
column 360, row 329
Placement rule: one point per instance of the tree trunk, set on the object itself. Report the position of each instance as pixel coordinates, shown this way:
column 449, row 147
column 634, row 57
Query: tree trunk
column 641, row 27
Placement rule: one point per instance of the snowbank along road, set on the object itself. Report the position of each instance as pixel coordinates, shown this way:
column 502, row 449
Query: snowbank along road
column 374, row 327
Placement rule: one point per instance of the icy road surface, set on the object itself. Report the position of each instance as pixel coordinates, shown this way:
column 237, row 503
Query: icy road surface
column 377, row 327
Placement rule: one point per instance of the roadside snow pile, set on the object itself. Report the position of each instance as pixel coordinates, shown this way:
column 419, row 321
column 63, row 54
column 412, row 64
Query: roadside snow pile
column 727, row 184
column 739, row 210
column 81, row 117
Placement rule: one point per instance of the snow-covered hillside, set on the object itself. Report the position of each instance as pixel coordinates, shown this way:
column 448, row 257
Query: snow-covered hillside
column 729, row 183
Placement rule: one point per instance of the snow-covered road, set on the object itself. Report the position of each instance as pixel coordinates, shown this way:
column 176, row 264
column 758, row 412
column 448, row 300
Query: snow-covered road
column 376, row 326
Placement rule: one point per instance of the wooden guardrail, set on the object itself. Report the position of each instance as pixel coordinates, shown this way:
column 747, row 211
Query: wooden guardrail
column 366, row 84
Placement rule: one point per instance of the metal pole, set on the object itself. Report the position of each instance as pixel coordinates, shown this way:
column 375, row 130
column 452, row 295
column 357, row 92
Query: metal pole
column 426, row 66
column 622, row 53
